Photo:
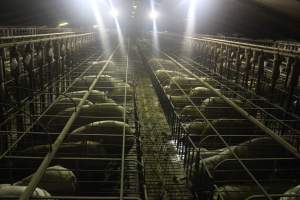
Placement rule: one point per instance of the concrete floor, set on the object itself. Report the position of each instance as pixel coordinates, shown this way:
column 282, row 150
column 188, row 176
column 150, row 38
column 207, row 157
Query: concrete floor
column 163, row 169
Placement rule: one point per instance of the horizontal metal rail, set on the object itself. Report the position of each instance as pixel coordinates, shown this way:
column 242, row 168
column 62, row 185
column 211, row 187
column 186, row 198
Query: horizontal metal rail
column 246, row 45
column 46, row 39
column 268, row 49
column 287, row 45
column 294, row 196
column 239, row 39
column 29, row 30
column 21, row 37
column 75, row 197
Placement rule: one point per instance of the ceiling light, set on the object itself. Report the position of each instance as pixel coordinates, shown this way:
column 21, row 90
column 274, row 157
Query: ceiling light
column 63, row 24
column 153, row 14
column 114, row 13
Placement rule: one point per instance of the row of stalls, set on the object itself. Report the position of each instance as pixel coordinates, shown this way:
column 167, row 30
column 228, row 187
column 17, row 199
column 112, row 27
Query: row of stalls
column 219, row 129
column 74, row 109
column 271, row 72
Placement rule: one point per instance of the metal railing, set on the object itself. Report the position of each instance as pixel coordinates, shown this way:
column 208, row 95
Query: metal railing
column 15, row 31
column 268, row 71
column 8, row 39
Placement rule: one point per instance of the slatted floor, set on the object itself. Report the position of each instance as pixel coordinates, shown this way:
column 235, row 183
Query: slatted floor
column 164, row 175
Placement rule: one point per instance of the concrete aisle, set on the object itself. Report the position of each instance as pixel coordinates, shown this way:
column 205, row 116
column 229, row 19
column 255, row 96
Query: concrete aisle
column 163, row 170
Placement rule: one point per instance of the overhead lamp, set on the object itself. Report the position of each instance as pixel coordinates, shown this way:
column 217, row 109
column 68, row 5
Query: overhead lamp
column 153, row 14
column 114, row 13
column 63, row 24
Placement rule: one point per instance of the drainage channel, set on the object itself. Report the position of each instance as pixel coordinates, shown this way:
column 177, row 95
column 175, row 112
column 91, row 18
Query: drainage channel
column 164, row 174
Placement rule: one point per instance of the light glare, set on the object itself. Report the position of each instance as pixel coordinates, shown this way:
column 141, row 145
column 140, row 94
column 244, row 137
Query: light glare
column 100, row 25
column 153, row 14
column 63, row 24
column 114, row 13
column 190, row 26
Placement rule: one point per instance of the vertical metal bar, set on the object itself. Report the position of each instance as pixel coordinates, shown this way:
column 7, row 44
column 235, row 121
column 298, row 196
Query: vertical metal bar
column 41, row 60
column 124, row 131
column 215, row 59
column 288, row 70
column 15, row 70
column 253, row 65
column 293, row 82
column 247, row 67
column 227, row 61
column 3, row 136
column 275, row 71
column 58, row 67
column 221, row 60
column 48, row 71
column 29, row 65
column 260, row 72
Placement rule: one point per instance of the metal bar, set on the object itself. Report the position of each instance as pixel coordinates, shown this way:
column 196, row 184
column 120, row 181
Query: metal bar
column 76, row 197
column 45, row 39
column 246, row 44
column 55, row 146
column 34, row 35
column 69, row 158
column 239, row 44
column 124, row 131
column 272, row 195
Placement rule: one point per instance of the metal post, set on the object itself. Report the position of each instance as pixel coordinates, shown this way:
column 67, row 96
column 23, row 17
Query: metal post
column 247, row 67
column 3, row 136
column 29, row 65
column 288, row 70
column 293, row 82
column 260, row 72
column 15, row 71
column 275, row 71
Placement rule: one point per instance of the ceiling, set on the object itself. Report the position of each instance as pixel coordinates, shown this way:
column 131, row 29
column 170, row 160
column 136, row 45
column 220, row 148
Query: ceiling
column 251, row 18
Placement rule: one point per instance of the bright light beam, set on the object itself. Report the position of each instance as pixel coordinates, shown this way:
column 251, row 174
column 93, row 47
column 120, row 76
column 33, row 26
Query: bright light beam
column 63, row 24
column 100, row 25
column 153, row 15
column 190, row 27
column 115, row 13
column 123, row 52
